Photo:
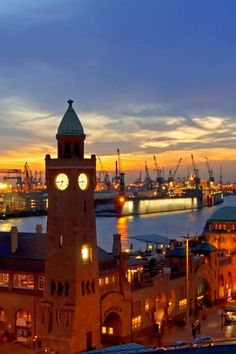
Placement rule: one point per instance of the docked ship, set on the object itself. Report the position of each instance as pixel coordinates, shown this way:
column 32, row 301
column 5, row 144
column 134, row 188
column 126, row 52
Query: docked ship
column 212, row 197
column 116, row 204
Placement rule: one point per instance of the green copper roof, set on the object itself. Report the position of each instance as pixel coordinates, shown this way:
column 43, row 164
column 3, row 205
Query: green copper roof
column 70, row 124
column 203, row 247
column 224, row 214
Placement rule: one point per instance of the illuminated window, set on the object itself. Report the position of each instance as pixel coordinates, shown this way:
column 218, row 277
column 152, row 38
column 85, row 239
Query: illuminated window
column 41, row 282
column 106, row 280
column 25, row 281
column 4, row 279
column 182, row 304
column 100, row 282
column 2, row 315
column 113, row 279
column 136, row 322
column 147, row 305
column 86, row 253
column 134, row 275
column 107, row 330
column 60, row 241
column 110, row 330
column 25, row 315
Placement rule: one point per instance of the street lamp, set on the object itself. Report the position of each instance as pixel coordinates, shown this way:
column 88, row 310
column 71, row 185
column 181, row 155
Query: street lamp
column 187, row 280
column 187, row 277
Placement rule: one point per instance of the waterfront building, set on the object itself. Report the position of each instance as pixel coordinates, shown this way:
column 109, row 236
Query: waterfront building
column 64, row 294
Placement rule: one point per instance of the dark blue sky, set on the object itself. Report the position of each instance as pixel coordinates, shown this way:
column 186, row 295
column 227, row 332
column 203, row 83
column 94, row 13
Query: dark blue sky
column 148, row 76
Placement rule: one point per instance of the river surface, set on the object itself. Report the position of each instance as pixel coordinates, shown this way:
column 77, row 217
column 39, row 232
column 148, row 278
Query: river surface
column 171, row 225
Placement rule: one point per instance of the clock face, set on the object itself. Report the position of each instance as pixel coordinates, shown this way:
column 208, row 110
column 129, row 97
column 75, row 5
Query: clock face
column 61, row 181
column 83, row 181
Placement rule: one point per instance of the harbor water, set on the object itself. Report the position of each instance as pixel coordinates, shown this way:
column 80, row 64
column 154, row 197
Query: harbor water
column 170, row 225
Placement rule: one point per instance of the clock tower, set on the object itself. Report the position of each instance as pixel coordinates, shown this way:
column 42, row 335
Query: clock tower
column 69, row 319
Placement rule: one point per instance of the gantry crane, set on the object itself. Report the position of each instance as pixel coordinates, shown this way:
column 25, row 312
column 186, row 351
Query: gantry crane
column 172, row 176
column 196, row 177
column 28, row 178
column 119, row 178
column 147, row 178
column 210, row 172
column 103, row 177
column 158, row 171
column 12, row 171
column 221, row 177
column 121, row 174
column 100, row 177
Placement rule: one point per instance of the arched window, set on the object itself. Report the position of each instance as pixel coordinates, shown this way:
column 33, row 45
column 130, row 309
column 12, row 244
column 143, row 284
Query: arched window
column 3, row 316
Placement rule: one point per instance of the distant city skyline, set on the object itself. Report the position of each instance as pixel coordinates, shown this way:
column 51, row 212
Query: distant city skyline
column 154, row 77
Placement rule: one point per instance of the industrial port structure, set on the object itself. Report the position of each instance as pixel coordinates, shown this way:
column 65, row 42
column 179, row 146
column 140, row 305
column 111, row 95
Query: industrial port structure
column 63, row 294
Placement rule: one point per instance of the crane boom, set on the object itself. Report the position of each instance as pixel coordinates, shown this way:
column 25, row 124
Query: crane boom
column 157, row 168
column 195, row 172
column 210, row 171
column 172, row 175
column 119, row 162
column 10, row 170
column 177, row 167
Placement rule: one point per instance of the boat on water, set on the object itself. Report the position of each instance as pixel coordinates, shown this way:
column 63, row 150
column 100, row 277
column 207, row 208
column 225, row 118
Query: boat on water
column 113, row 204
column 211, row 198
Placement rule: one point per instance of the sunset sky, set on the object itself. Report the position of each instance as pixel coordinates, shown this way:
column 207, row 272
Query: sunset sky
column 146, row 76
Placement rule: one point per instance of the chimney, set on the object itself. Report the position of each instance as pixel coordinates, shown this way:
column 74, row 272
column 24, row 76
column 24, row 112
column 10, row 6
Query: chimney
column 39, row 229
column 14, row 239
column 116, row 247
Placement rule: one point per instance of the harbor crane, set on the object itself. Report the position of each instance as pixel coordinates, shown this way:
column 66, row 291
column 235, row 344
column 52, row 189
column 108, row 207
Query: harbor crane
column 103, row 175
column 147, row 178
column 196, row 177
column 119, row 177
column 221, row 178
column 28, row 178
column 158, row 171
column 12, row 171
column 210, row 172
column 172, row 176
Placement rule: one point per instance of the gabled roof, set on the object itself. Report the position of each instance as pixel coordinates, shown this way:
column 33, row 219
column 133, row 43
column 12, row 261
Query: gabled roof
column 177, row 252
column 30, row 254
column 70, row 123
column 203, row 247
column 30, row 246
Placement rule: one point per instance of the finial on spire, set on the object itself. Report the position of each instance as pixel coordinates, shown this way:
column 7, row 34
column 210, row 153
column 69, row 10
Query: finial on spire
column 70, row 101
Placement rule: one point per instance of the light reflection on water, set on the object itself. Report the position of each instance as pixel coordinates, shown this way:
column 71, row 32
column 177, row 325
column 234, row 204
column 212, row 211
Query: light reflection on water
column 172, row 225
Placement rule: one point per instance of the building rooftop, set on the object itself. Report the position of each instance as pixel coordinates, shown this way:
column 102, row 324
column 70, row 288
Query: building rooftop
column 177, row 252
column 224, row 214
column 204, row 247
column 70, row 123
column 152, row 238
column 129, row 348
column 30, row 254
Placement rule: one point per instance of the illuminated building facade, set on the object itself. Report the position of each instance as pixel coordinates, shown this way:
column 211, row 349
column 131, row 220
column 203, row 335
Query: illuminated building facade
column 62, row 292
